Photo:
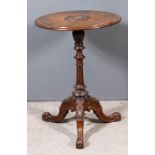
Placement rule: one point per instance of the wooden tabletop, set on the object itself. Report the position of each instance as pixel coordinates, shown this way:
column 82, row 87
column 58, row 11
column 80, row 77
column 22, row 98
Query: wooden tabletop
column 77, row 20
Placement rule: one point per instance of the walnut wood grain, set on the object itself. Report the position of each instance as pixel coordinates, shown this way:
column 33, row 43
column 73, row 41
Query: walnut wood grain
column 77, row 20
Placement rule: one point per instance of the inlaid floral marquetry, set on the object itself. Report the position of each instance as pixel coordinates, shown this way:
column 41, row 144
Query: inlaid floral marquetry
column 77, row 20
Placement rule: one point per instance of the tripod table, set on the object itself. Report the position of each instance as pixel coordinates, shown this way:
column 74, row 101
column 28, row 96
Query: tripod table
column 80, row 100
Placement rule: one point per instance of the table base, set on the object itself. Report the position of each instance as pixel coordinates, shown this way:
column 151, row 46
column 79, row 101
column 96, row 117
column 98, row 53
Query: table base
column 80, row 101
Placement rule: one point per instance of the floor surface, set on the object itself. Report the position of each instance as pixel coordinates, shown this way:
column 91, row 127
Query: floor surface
column 45, row 138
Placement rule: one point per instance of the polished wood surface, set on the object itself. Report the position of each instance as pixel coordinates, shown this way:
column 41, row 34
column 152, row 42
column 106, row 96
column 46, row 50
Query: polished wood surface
column 77, row 20
column 80, row 101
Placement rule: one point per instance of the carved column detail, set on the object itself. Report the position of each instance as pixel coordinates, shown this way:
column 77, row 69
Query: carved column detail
column 80, row 90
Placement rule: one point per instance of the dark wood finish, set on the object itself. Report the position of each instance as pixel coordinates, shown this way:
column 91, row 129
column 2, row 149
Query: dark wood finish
column 80, row 101
column 77, row 20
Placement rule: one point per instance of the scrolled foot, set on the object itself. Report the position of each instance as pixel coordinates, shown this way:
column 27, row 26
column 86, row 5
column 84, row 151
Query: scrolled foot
column 115, row 117
column 67, row 104
column 79, row 144
column 93, row 104
column 46, row 116
column 107, row 118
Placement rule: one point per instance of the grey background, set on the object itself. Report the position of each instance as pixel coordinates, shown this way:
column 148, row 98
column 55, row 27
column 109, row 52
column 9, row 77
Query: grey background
column 51, row 67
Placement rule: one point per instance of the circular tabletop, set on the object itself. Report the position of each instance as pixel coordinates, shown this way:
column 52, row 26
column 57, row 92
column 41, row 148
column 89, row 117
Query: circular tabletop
column 77, row 20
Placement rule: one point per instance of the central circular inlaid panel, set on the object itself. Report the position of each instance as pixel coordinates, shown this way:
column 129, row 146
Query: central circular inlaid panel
column 77, row 20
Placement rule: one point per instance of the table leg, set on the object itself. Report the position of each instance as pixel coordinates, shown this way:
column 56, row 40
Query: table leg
column 93, row 104
column 80, row 123
column 67, row 104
